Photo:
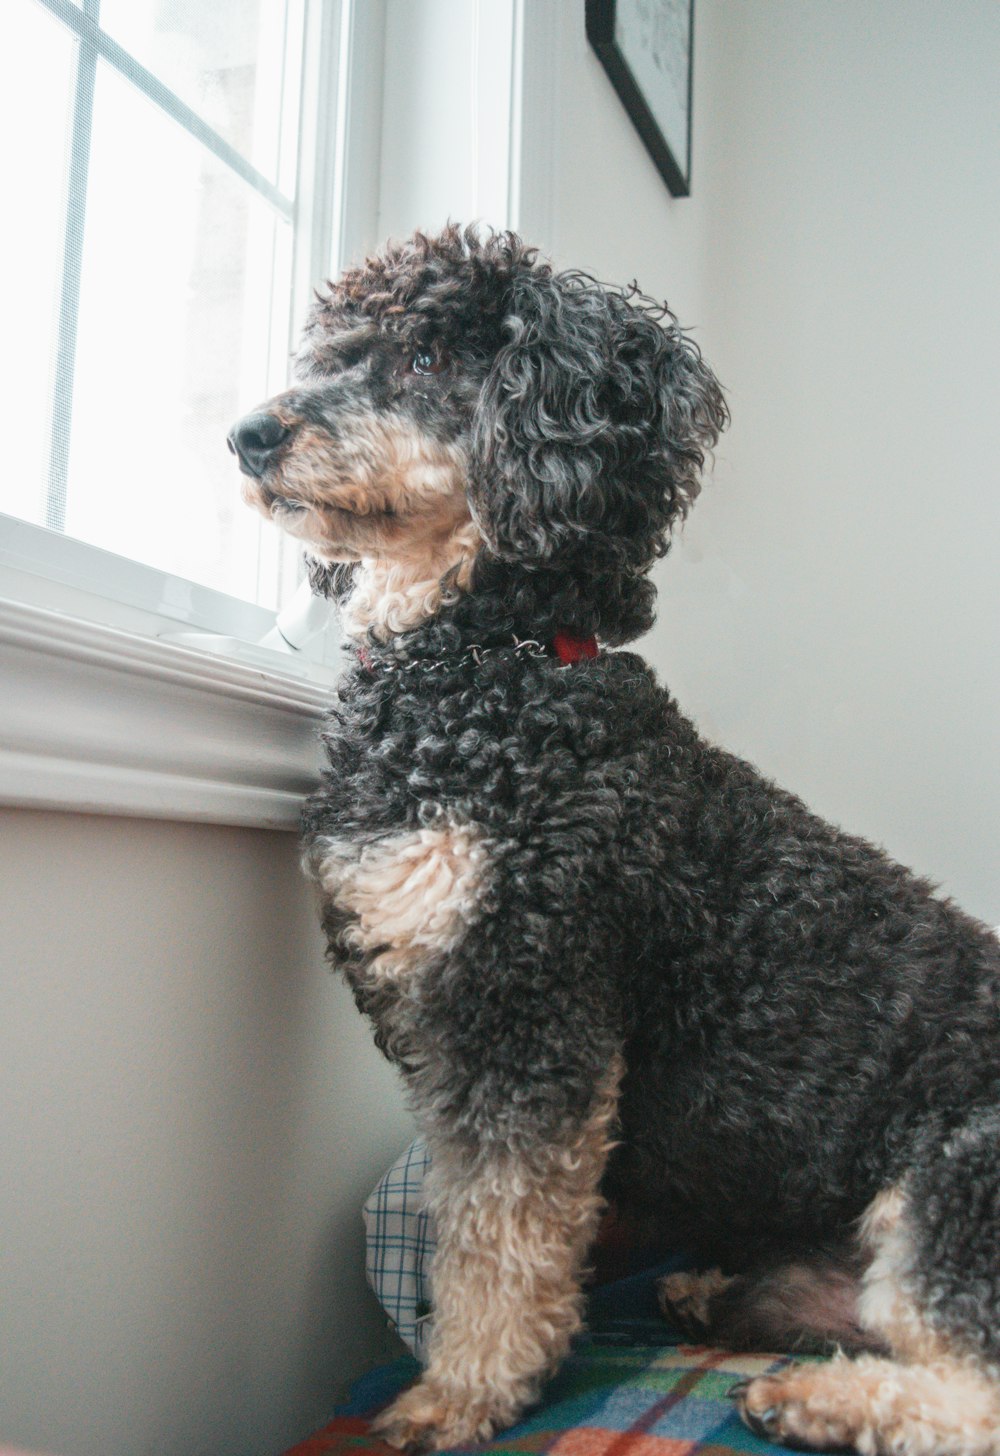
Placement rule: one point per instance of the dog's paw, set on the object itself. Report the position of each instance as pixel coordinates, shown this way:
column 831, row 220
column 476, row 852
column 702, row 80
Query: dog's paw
column 425, row 1419
column 684, row 1300
column 800, row 1407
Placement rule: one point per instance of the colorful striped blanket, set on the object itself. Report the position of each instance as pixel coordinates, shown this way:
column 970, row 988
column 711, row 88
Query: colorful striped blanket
column 605, row 1401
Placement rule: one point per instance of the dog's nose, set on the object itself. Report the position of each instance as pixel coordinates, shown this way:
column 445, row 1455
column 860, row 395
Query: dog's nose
column 255, row 439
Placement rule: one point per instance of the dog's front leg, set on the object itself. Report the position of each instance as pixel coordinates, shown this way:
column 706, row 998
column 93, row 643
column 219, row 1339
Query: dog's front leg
column 514, row 1224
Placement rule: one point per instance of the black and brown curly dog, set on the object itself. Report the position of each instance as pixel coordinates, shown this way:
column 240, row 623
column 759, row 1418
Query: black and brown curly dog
column 611, row 959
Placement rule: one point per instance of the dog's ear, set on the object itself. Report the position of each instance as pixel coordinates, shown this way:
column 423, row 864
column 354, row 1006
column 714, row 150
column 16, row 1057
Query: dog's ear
column 592, row 426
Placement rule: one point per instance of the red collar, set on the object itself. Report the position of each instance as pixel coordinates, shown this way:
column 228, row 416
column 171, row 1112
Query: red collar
column 571, row 649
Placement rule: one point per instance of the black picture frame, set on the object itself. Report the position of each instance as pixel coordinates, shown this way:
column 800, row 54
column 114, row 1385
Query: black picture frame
column 675, row 170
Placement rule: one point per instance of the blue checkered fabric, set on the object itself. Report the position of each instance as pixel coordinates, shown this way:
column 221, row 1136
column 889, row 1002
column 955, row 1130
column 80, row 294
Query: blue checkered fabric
column 400, row 1242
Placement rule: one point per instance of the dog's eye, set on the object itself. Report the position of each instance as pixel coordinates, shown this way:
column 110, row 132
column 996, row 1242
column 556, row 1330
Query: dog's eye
column 429, row 361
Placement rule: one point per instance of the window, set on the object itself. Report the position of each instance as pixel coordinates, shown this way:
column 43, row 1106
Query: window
column 173, row 206
column 179, row 175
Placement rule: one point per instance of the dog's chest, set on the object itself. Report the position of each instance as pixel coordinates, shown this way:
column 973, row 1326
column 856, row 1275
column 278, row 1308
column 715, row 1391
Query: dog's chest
column 487, row 743
column 447, row 798
column 395, row 839
column 397, row 755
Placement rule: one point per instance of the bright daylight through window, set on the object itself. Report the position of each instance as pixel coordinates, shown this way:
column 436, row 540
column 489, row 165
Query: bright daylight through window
column 151, row 276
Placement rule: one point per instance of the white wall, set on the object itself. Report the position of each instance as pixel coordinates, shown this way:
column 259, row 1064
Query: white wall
column 193, row 1113
column 447, row 121
column 843, row 570
column 832, row 610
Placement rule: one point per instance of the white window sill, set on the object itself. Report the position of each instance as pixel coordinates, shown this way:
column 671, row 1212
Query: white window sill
column 99, row 720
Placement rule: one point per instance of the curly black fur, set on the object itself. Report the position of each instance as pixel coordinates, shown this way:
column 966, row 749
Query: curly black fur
column 804, row 1023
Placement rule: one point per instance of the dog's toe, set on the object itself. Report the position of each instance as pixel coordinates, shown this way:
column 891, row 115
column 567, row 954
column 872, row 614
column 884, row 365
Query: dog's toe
column 795, row 1408
column 763, row 1423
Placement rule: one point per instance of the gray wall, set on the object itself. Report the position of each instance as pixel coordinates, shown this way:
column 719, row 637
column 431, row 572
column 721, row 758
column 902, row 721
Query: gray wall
column 193, row 1113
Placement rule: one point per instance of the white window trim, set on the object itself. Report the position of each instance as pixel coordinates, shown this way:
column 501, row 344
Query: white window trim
column 113, row 587
column 97, row 720
column 100, row 714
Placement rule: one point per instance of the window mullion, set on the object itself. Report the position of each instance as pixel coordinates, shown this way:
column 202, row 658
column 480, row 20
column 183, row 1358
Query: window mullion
column 69, row 295
column 84, row 25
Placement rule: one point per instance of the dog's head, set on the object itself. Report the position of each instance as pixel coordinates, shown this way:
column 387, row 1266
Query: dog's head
column 459, row 402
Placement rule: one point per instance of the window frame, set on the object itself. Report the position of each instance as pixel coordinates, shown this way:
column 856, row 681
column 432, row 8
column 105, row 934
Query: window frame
column 334, row 208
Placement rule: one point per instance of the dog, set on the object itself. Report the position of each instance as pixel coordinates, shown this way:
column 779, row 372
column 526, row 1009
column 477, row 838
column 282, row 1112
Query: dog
column 610, row 959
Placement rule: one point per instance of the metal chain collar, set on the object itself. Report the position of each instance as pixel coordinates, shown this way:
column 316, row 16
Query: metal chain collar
column 527, row 648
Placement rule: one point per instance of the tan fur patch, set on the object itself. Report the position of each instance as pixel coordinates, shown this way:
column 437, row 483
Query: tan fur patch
column 409, row 895
column 395, row 595
column 384, row 494
column 879, row 1407
column 886, row 1304
column 881, row 1216
column 375, row 464
column 689, row 1293
column 513, row 1233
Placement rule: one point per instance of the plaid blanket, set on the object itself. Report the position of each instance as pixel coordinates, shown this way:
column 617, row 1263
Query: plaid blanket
column 605, row 1401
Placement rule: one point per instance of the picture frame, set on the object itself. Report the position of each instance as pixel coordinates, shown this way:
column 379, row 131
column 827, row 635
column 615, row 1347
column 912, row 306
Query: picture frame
column 647, row 49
